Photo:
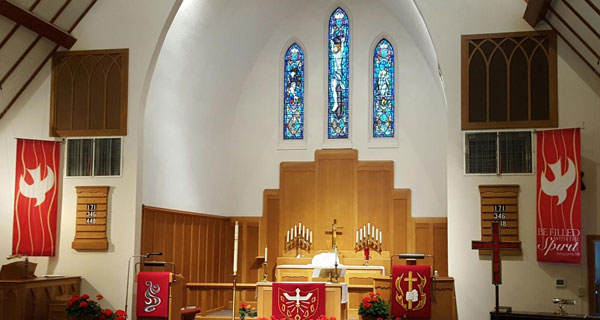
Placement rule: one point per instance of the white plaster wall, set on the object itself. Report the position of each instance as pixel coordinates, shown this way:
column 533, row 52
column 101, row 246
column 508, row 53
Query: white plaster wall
column 133, row 24
column 215, row 98
column 527, row 284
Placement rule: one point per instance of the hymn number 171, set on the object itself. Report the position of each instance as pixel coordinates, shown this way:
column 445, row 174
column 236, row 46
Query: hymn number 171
column 500, row 214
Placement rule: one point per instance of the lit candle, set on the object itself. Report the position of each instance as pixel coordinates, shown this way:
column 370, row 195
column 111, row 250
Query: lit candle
column 376, row 235
column 303, row 231
column 287, row 236
column 364, row 231
column 361, row 234
column 295, row 231
column 310, row 237
column 265, row 254
column 373, row 232
column 356, row 236
column 369, row 229
column 380, row 237
column 235, row 248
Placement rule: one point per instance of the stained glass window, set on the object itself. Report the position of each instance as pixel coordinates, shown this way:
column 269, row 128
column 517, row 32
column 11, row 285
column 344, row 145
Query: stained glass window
column 338, row 72
column 383, row 90
column 293, row 95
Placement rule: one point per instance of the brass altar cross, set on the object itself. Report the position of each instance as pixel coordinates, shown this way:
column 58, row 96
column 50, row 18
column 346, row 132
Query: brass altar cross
column 410, row 281
column 334, row 231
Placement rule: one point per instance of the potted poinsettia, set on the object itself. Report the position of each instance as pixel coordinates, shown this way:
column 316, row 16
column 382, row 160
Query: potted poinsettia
column 84, row 308
column 372, row 307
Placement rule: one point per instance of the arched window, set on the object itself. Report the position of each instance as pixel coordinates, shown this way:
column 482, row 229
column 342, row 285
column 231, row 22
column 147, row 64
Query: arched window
column 383, row 90
column 338, row 75
column 293, row 93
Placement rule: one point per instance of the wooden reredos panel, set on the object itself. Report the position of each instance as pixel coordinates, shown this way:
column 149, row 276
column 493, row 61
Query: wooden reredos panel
column 339, row 186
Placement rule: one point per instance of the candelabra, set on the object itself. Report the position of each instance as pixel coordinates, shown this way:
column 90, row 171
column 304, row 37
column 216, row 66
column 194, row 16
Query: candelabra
column 368, row 237
column 299, row 237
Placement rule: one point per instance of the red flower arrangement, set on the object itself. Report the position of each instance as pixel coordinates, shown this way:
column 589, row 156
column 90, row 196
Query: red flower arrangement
column 84, row 307
column 247, row 310
column 373, row 306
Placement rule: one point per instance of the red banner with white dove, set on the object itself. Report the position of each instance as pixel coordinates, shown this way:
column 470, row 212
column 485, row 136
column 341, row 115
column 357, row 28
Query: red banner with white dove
column 153, row 294
column 36, row 197
column 411, row 291
column 298, row 301
column 559, row 196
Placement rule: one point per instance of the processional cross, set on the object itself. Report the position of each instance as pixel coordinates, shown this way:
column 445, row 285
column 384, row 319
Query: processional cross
column 496, row 245
column 334, row 231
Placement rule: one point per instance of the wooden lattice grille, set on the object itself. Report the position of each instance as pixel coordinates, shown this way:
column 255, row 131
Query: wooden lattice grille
column 509, row 80
column 89, row 93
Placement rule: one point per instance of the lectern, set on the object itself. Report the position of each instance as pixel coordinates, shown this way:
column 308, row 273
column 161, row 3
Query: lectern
column 160, row 295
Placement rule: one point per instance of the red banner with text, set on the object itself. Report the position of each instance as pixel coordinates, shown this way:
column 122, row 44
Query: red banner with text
column 36, row 197
column 153, row 294
column 411, row 291
column 559, row 196
column 298, row 301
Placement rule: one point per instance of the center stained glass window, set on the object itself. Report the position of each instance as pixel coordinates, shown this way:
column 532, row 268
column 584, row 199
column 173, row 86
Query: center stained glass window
column 383, row 90
column 338, row 75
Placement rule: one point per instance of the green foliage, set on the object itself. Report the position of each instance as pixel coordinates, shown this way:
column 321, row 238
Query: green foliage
column 373, row 305
column 247, row 311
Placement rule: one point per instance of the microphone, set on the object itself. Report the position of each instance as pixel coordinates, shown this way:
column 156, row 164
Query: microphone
column 148, row 254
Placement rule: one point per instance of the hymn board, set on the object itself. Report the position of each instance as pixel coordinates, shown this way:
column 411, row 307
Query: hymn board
column 500, row 203
column 90, row 225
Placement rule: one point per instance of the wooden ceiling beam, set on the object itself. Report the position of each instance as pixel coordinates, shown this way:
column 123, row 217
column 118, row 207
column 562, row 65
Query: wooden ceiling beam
column 536, row 11
column 35, row 24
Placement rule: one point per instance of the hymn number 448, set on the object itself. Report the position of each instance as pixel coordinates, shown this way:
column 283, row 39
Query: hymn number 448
column 500, row 214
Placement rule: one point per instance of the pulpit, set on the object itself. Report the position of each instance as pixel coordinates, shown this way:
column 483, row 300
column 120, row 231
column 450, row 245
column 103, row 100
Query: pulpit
column 160, row 295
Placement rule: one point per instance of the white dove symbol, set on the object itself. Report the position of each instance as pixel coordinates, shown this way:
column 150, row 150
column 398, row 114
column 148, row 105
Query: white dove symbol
column 39, row 187
column 561, row 182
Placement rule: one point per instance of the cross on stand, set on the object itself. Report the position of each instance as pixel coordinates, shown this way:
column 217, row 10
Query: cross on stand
column 334, row 231
column 496, row 245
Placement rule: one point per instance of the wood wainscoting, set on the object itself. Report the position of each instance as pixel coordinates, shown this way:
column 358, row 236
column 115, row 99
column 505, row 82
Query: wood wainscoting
column 201, row 246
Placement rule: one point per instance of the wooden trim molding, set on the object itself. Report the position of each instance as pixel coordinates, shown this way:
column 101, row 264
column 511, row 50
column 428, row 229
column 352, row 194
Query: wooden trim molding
column 535, row 11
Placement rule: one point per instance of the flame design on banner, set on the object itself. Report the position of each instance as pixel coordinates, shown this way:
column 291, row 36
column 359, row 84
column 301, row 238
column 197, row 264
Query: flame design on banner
column 152, row 301
column 36, row 192
column 559, row 196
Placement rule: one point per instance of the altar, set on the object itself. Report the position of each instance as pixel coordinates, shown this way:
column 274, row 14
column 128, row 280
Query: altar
column 335, row 297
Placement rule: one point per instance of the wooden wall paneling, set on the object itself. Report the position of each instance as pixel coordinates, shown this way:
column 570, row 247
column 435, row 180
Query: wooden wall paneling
column 198, row 244
column 375, row 185
column 440, row 248
column 270, row 223
column 401, row 221
column 297, row 181
column 192, row 297
column 423, row 240
column 336, row 196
